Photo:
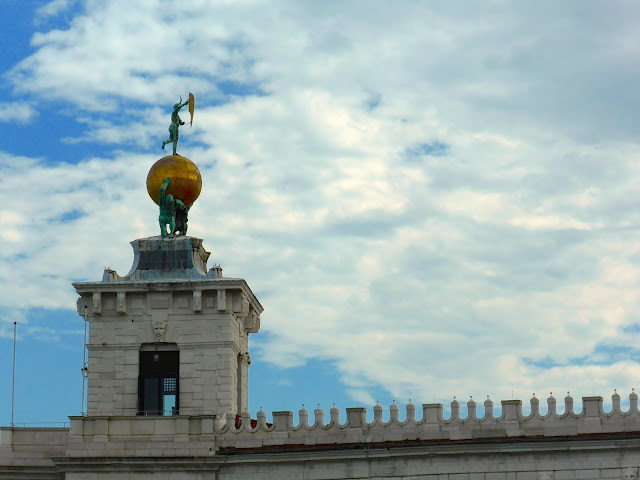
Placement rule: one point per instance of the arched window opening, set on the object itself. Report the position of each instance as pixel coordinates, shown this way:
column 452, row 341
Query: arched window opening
column 158, row 380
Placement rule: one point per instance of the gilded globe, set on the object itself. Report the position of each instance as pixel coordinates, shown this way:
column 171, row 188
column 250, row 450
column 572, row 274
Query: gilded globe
column 186, row 181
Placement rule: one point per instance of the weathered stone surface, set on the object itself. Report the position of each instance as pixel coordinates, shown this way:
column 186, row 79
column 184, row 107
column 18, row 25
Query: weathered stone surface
column 166, row 258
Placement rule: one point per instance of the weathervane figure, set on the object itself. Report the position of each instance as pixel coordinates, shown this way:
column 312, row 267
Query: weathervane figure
column 176, row 121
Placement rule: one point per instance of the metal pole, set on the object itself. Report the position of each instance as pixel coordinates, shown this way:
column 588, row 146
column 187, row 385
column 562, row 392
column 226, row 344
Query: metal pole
column 13, row 383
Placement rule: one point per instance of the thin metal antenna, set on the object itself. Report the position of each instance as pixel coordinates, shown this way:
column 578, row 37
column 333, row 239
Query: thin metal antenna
column 13, row 382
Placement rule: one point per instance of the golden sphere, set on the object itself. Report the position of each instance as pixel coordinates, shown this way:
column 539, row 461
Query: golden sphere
column 186, row 181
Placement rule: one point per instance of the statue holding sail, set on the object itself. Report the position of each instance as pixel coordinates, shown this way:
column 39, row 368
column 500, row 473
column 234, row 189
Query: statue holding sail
column 174, row 182
column 176, row 121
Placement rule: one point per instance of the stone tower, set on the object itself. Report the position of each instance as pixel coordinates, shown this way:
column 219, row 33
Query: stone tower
column 171, row 337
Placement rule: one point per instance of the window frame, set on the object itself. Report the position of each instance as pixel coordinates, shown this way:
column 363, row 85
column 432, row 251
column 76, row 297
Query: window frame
column 158, row 380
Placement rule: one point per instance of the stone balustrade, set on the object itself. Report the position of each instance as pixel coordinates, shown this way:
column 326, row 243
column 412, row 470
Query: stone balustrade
column 432, row 426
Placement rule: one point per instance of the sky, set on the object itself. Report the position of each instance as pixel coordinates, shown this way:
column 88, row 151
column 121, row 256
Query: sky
column 430, row 199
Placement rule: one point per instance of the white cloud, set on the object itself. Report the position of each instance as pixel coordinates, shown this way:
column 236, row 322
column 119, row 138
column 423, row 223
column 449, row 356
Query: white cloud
column 508, row 262
column 51, row 9
column 17, row 112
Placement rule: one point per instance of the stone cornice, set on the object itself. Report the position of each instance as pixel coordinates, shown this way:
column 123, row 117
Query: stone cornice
column 408, row 448
column 357, row 451
column 183, row 346
column 170, row 286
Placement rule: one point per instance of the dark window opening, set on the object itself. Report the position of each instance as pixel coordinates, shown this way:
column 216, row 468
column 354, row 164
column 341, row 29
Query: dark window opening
column 158, row 383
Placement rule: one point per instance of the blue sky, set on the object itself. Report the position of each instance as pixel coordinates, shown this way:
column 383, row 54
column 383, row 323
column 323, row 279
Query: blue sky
column 429, row 199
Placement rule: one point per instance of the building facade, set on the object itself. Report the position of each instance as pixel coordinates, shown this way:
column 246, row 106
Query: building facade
column 167, row 398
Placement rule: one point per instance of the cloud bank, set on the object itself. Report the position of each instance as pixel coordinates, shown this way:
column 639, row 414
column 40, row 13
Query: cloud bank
column 438, row 199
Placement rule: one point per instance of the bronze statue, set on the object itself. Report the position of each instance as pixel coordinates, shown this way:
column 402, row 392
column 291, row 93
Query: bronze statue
column 182, row 218
column 170, row 208
column 176, row 121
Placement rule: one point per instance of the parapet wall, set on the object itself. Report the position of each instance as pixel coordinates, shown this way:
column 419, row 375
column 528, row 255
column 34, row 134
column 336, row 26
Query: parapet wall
column 32, row 447
column 589, row 445
column 239, row 433
column 204, row 435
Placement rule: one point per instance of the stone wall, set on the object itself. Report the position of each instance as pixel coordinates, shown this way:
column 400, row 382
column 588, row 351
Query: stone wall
column 549, row 460
column 595, row 461
column 153, row 436
column 209, row 321
column 26, row 453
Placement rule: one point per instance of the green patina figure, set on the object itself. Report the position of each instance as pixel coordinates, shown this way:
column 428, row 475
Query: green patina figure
column 181, row 217
column 170, row 209
column 176, row 121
